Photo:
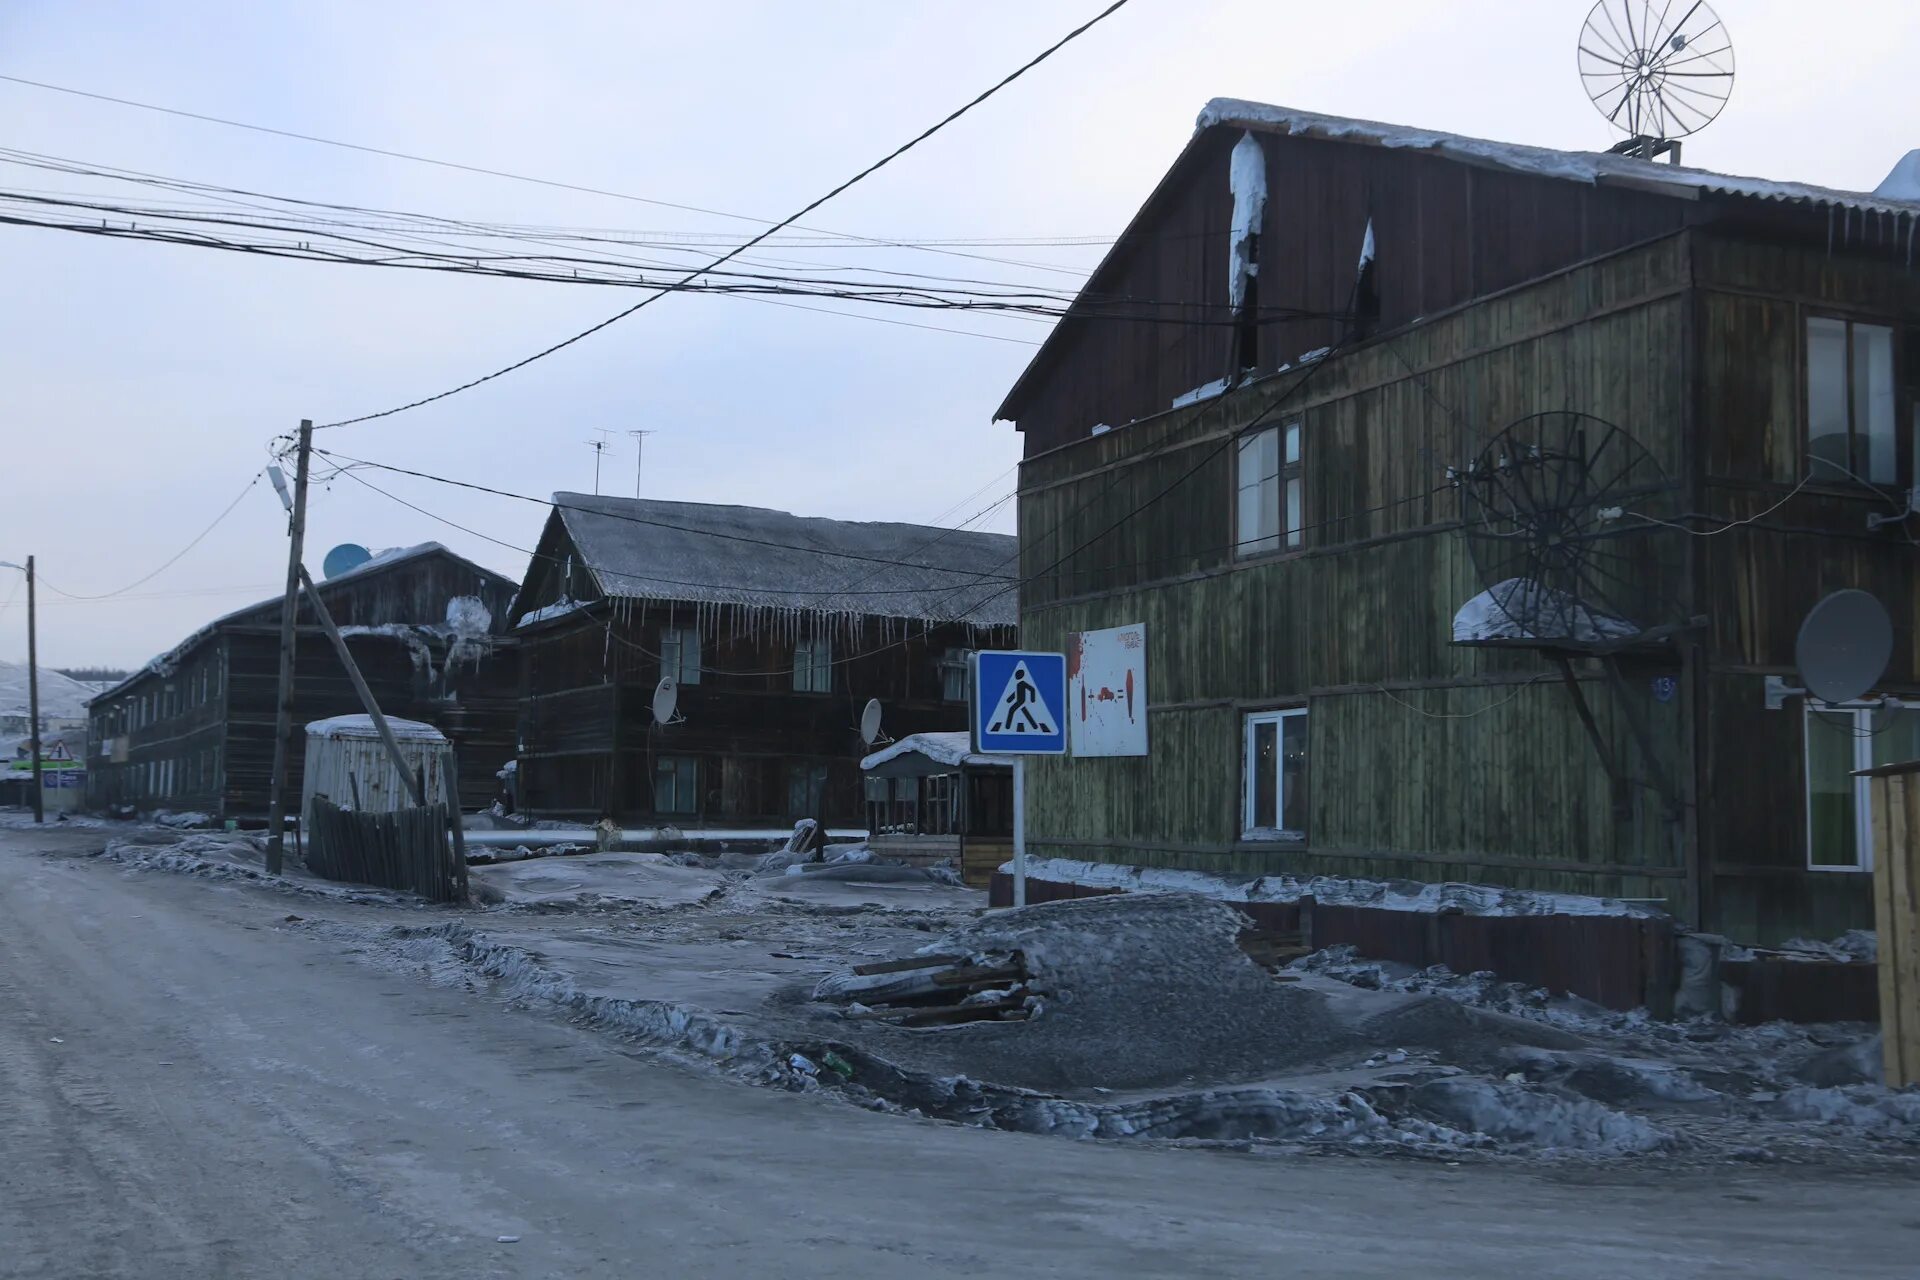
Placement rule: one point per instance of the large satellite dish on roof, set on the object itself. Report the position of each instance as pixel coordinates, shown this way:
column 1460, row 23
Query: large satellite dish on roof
column 344, row 558
column 1844, row 645
column 1658, row 70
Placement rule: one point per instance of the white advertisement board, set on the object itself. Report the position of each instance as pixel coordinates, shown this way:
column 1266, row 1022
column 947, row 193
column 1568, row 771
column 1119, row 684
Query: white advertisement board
column 1107, row 691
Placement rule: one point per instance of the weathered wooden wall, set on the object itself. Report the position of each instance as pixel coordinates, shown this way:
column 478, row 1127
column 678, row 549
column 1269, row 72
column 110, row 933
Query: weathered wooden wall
column 1445, row 232
column 1426, row 759
column 589, row 743
column 1759, row 580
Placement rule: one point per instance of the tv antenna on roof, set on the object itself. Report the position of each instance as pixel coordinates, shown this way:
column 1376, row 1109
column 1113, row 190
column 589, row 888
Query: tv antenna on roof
column 599, row 448
column 1657, row 69
column 639, row 456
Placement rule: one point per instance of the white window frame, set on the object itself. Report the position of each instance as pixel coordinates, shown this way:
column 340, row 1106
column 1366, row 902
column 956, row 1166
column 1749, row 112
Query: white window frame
column 1861, row 714
column 1280, row 496
column 680, row 641
column 813, row 665
column 1277, row 718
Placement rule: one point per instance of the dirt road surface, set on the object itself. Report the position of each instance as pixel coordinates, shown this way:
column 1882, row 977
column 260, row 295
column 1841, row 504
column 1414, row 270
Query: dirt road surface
column 189, row 1087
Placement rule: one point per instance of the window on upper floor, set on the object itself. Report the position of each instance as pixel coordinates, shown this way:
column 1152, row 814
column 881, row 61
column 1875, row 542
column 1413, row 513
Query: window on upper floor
column 953, row 675
column 1268, row 505
column 1852, row 402
column 680, row 654
column 813, row 665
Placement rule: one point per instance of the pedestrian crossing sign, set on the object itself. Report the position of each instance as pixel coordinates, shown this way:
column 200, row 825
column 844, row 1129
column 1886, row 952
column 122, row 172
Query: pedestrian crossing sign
column 1019, row 703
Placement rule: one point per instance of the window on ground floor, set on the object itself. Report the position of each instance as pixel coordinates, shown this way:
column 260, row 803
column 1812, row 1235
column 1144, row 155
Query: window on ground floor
column 675, row 785
column 1274, row 804
column 806, row 790
column 1839, row 741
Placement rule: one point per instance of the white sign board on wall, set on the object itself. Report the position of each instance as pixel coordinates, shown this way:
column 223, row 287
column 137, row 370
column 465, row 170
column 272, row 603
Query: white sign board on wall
column 1107, row 691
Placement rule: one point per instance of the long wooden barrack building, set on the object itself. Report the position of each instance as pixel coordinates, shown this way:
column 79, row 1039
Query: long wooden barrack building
column 192, row 731
column 776, row 629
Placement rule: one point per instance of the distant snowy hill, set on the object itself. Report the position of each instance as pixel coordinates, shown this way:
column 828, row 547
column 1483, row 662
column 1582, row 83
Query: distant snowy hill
column 60, row 697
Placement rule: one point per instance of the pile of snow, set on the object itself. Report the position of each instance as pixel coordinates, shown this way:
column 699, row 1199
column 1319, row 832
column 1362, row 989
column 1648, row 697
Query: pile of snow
column 1522, row 609
column 1903, row 183
column 1383, row 895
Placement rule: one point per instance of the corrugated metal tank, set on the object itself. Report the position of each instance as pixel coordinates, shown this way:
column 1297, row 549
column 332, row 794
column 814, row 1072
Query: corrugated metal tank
column 345, row 759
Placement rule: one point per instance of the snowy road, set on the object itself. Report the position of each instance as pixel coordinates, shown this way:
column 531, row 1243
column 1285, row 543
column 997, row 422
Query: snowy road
column 193, row 1089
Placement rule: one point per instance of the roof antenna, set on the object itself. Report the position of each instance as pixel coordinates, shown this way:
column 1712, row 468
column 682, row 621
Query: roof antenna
column 1657, row 82
column 639, row 456
column 599, row 448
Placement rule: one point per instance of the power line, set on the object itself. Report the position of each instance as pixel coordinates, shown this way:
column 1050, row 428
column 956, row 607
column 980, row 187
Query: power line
column 636, row 577
column 643, row 520
column 517, row 177
column 791, row 220
column 171, row 560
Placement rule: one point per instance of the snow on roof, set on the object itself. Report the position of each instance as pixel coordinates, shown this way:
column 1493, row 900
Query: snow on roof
column 941, row 748
column 644, row 548
column 1903, row 183
column 163, row 663
column 361, row 726
column 1591, row 167
column 1521, row 609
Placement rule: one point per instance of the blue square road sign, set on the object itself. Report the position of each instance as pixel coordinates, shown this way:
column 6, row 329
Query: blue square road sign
column 1019, row 703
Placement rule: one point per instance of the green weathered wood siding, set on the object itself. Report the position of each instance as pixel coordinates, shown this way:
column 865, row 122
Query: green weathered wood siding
column 1497, row 781
column 1758, row 581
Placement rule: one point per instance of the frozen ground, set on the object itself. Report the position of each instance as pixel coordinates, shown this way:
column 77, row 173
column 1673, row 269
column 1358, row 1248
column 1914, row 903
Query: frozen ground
column 1149, row 1021
column 198, row 1086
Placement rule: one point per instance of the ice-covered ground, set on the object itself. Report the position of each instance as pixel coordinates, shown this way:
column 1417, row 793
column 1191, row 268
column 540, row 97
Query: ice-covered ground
column 1150, row 1021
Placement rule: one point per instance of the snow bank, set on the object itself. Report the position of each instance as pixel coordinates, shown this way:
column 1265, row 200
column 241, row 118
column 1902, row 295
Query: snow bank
column 1903, row 183
column 1384, row 895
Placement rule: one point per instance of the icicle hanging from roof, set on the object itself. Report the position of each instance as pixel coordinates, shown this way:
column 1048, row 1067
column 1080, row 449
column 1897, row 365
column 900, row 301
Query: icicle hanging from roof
column 1247, row 179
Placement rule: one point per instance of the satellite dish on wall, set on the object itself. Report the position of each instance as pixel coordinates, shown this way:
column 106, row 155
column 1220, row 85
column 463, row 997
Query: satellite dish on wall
column 344, row 558
column 666, row 700
column 870, row 722
column 1844, row 646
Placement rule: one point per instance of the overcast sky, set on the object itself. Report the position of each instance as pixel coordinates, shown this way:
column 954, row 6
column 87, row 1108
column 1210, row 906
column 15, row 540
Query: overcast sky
column 140, row 383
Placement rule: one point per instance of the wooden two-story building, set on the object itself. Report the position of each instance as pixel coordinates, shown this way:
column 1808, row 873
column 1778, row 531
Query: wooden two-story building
column 775, row 630
column 1423, row 378
column 192, row 730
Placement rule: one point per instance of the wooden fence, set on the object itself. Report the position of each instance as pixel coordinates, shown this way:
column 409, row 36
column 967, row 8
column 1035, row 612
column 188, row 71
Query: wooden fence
column 405, row 849
column 1896, row 914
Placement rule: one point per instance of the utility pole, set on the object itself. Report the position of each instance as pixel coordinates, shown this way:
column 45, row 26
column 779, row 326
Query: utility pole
column 33, row 700
column 289, row 613
column 639, row 457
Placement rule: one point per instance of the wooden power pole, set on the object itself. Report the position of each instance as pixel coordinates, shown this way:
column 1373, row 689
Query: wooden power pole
column 289, row 614
column 33, row 701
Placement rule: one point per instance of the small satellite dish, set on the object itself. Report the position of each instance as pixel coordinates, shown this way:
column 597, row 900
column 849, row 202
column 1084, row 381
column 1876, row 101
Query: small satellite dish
column 344, row 558
column 1844, row 646
column 870, row 722
column 666, row 700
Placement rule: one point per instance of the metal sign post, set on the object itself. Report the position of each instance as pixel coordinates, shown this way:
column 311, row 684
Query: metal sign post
column 1018, row 708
